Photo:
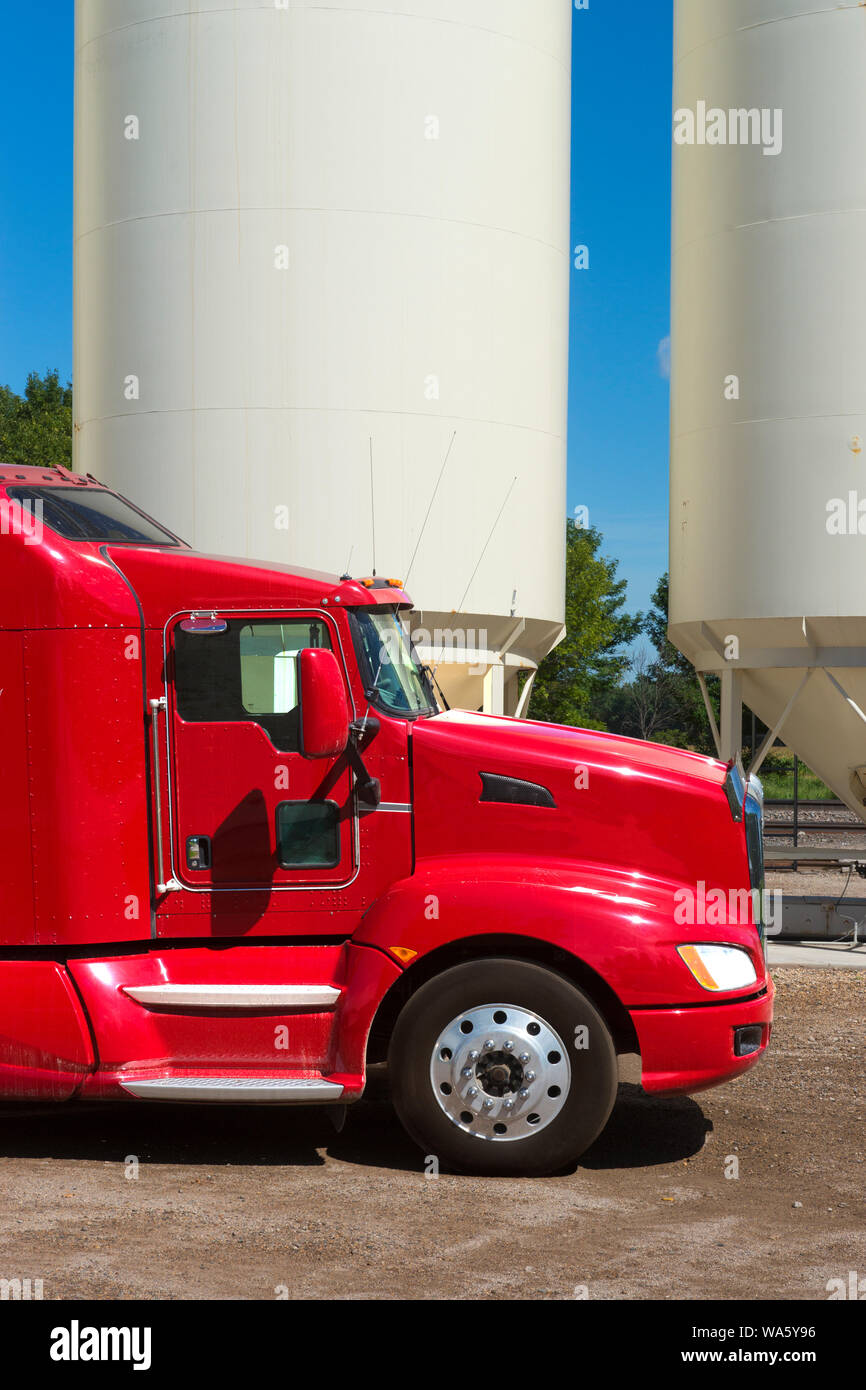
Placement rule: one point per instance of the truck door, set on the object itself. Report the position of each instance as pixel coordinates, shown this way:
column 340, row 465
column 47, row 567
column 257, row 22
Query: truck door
column 247, row 810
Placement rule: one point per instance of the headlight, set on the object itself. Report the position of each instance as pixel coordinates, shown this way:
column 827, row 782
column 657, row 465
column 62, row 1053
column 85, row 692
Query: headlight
column 719, row 967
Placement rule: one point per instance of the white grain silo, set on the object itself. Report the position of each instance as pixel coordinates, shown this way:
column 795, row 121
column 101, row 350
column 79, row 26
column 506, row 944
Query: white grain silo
column 300, row 226
column 769, row 370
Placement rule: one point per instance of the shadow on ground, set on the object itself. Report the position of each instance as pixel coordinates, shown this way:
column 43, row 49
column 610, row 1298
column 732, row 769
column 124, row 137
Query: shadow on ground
column 643, row 1131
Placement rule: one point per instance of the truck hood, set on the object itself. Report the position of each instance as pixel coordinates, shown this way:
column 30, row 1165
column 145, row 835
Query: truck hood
column 490, row 785
column 524, row 739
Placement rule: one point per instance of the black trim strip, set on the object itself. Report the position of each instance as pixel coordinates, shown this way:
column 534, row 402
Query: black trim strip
column 513, row 791
column 698, row 1003
column 103, row 950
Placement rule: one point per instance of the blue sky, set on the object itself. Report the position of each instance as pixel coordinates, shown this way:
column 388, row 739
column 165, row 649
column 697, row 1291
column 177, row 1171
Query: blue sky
column 618, row 406
column 36, row 190
column 620, row 306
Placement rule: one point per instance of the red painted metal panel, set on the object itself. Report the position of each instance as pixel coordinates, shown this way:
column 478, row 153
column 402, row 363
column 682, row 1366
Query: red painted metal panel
column 16, row 869
column 693, row 1049
column 45, row 1048
column 369, row 974
column 49, row 582
column 649, row 810
column 169, row 580
column 135, row 1036
column 227, row 781
column 623, row 930
column 86, row 748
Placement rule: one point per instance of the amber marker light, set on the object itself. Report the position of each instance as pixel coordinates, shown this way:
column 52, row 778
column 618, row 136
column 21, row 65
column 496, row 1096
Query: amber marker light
column 403, row 953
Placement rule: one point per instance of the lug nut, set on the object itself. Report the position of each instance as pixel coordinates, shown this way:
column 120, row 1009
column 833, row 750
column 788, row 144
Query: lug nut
column 467, row 1071
column 489, row 1043
column 509, row 1045
column 472, row 1092
column 523, row 1093
column 509, row 1105
column 488, row 1105
column 530, row 1076
column 524, row 1057
column 473, row 1056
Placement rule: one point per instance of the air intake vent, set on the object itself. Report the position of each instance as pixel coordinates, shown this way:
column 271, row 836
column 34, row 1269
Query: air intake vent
column 513, row 791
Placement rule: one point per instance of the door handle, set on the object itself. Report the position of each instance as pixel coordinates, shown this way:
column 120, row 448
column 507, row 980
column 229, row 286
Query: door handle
column 163, row 885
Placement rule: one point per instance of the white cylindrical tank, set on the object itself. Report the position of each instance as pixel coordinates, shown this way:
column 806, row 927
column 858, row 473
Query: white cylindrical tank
column 768, row 462
column 302, row 226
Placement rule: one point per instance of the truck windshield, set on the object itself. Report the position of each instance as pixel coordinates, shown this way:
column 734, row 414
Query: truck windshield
column 393, row 677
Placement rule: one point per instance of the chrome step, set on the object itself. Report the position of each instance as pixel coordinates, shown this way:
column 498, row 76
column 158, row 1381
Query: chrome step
column 237, row 1090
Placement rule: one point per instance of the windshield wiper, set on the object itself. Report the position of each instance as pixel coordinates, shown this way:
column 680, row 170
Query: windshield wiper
column 433, row 685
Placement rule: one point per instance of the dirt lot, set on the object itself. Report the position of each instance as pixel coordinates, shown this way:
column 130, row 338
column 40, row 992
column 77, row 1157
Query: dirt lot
column 233, row 1204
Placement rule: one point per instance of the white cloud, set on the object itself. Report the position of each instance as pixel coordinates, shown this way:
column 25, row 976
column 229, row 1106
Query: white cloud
column 663, row 356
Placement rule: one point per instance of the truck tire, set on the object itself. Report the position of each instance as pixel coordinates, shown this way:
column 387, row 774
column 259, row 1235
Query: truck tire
column 503, row 1067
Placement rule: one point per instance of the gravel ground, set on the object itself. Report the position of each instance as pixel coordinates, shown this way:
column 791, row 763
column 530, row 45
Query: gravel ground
column 836, row 885
column 254, row 1204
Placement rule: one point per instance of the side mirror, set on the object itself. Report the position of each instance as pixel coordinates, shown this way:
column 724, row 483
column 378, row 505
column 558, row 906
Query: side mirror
column 324, row 708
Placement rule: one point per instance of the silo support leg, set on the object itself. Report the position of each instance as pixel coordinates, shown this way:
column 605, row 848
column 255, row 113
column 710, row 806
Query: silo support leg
column 494, row 690
column 773, row 734
column 731, row 717
column 525, row 696
column 711, row 714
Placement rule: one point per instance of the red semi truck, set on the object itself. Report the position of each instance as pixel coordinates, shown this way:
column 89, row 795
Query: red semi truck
column 245, row 856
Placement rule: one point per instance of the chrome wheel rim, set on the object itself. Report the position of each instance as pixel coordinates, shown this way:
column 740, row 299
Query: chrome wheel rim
column 500, row 1072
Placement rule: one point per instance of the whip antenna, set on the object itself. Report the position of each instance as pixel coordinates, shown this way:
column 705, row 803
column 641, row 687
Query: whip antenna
column 373, row 507
column 430, row 507
column 459, row 608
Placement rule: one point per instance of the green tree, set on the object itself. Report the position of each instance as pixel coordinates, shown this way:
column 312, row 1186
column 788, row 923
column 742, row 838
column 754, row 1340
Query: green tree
column 578, row 680
column 689, row 726
column 36, row 428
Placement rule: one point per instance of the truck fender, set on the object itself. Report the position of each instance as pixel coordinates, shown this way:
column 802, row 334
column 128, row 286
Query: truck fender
column 621, row 929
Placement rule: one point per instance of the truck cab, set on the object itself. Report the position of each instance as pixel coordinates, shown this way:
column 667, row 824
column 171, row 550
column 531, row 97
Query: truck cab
column 245, row 856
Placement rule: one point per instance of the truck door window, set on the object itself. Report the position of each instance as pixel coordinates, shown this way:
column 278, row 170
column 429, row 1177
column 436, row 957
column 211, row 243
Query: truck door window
column 247, row 673
column 308, row 834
